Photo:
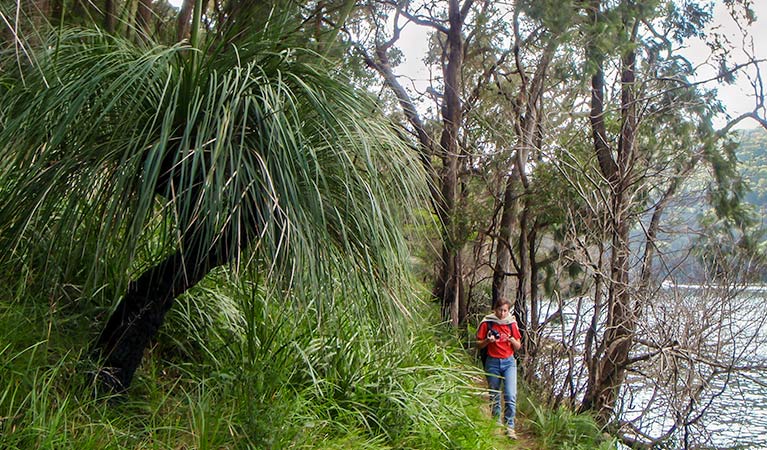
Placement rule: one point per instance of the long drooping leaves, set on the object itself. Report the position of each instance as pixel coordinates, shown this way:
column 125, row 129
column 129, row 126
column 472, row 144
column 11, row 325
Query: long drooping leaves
column 268, row 159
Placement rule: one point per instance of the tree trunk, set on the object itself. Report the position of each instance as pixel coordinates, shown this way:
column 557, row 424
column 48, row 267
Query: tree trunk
column 184, row 20
column 619, row 330
column 110, row 19
column 610, row 370
column 504, row 248
column 454, row 307
column 534, row 322
column 450, row 283
column 141, row 312
column 144, row 19
column 127, row 27
column 38, row 13
column 57, row 12
column 591, row 352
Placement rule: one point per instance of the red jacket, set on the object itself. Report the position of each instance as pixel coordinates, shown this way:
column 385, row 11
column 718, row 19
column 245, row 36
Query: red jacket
column 501, row 348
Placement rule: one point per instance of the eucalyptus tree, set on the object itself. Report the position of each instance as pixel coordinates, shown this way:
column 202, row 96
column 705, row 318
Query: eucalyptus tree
column 456, row 122
column 448, row 23
column 650, row 130
column 626, row 166
column 241, row 149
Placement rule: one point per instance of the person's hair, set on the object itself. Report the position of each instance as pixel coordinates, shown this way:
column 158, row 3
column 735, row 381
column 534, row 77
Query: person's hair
column 501, row 302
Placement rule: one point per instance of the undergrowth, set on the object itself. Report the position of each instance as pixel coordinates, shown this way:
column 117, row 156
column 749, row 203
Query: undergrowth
column 237, row 366
column 240, row 365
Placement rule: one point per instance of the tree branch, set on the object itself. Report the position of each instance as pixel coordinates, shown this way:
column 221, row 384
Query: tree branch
column 418, row 19
column 465, row 9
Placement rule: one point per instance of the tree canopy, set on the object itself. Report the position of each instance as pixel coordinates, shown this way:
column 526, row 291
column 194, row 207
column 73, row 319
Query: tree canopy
column 566, row 156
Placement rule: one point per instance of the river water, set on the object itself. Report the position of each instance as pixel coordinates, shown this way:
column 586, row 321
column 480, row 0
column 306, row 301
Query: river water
column 719, row 327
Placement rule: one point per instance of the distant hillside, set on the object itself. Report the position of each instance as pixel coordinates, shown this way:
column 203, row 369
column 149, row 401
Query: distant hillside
column 682, row 218
column 752, row 156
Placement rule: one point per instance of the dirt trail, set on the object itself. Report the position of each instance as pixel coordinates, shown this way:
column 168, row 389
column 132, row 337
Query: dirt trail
column 523, row 441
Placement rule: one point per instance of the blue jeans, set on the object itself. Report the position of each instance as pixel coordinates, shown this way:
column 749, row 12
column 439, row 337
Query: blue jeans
column 502, row 370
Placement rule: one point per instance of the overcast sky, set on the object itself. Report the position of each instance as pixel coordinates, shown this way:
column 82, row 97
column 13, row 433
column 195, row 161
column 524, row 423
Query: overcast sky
column 738, row 98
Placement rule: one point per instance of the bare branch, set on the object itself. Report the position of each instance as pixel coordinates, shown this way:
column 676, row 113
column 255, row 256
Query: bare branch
column 420, row 20
column 465, row 9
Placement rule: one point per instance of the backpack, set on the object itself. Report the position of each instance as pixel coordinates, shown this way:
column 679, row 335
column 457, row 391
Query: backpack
column 483, row 355
column 483, row 351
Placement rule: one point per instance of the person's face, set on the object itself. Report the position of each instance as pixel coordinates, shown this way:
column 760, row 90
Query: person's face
column 502, row 311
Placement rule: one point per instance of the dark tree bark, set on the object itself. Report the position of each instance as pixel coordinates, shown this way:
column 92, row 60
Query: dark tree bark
column 57, row 11
column 144, row 18
column 141, row 312
column 613, row 353
column 184, row 20
column 504, row 247
column 449, row 284
column 39, row 11
column 110, row 20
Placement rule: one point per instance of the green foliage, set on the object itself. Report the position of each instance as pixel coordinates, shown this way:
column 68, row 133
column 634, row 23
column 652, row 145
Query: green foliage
column 563, row 429
column 752, row 161
column 732, row 241
column 244, row 365
column 258, row 141
column 556, row 16
column 687, row 20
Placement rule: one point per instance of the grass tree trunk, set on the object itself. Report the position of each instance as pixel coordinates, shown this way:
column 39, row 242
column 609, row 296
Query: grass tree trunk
column 139, row 315
column 110, row 15
column 141, row 312
column 144, row 19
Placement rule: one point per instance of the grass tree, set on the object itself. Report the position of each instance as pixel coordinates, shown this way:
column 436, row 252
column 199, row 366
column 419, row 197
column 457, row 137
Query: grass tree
column 240, row 149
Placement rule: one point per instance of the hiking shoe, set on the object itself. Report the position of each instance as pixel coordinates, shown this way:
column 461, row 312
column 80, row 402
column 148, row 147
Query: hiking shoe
column 511, row 433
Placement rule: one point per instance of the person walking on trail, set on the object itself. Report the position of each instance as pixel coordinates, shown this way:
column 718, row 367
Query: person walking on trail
column 500, row 334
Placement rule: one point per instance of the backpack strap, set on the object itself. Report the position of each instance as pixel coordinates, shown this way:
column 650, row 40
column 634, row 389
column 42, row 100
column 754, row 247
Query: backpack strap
column 488, row 327
column 483, row 350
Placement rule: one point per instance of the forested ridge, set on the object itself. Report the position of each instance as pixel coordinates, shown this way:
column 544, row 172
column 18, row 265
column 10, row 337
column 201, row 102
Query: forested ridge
column 752, row 155
column 241, row 224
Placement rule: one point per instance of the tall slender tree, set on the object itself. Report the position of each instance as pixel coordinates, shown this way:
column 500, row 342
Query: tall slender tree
column 449, row 190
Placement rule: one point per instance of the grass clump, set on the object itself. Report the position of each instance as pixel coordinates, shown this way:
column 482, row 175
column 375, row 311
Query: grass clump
column 239, row 365
column 561, row 428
